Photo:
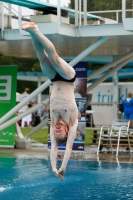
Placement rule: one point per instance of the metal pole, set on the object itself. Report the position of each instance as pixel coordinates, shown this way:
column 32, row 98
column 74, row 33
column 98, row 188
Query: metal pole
column 108, row 66
column 88, row 51
column 39, row 126
column 9, row 11
column 29, row 111
column 2, row 19
column 58, row 13
column 1, row 14
column 25, row 101
column 85, row 12
column 76, row 12
column 18, row 130
column 117, row 17
column 115, row 98
column 19, row 18
column 123, row 10
column 80, row 12
column 39, row 95
column 105, row 76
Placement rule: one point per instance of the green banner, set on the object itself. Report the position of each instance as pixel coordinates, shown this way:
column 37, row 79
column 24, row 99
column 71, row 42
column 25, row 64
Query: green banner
column 8, row 80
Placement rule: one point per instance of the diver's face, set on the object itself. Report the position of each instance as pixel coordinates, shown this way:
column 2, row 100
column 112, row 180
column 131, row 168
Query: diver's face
column 61, row 130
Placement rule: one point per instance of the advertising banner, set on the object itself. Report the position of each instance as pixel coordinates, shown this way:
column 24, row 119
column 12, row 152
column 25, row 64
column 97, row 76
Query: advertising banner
column 8, row 77
column 80, row 98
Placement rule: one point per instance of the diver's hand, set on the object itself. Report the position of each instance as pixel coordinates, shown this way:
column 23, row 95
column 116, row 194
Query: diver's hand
column 61, row 173
column 61, row 170
column 55, row 172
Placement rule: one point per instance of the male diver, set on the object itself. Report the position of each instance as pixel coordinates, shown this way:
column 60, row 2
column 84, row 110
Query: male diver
column 63, row 108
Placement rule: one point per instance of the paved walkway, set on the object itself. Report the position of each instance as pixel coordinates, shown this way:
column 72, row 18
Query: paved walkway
column 89, row 154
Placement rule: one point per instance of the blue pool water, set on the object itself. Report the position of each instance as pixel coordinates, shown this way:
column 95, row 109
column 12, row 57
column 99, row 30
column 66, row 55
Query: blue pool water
column 31, row 179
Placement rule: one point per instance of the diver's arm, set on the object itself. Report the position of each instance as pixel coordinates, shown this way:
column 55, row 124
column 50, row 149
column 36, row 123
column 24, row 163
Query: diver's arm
column 69, row 145
column 54, row 150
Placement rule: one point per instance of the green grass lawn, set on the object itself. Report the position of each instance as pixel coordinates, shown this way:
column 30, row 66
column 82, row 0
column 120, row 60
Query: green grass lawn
column 88, row 136
column 41, row 136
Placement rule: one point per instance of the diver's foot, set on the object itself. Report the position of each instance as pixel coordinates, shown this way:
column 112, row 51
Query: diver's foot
column 31, row 27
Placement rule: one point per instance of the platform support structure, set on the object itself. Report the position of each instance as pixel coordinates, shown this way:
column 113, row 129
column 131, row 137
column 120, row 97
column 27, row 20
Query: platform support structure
column 110, row 65
column 115, row 96
column 105, row 76
column 48, row 82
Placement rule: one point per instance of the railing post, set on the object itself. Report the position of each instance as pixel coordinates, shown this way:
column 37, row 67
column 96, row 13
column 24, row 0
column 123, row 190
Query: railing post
column 2, row 19
column 85, row 12
column 58, row 13
column 115, row 99
column 127, row 22
column 9, row 12
column 39, row 95
column 117, row 16
column 19, row 18
column 80, row 12
column 76, row 12
column 123, row 10
column 0, row 14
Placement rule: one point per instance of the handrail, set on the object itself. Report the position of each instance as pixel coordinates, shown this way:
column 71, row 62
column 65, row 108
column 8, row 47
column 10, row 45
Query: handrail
column 12, row 13
column 2, row 19
column 108, row 11
column 11, row 8
column 112, row 11
column 127, row 21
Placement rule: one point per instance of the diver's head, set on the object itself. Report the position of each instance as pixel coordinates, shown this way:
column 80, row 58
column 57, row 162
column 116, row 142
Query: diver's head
column 61, row 131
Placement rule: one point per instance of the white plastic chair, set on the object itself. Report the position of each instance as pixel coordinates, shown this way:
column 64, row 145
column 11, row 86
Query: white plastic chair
column 119, row 129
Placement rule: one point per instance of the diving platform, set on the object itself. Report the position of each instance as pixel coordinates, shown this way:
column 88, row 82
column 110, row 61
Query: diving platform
column 47, row 8
column 69, row 42
column 69, row 39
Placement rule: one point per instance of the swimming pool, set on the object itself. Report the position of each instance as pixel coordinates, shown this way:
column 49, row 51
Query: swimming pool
column 31, row 179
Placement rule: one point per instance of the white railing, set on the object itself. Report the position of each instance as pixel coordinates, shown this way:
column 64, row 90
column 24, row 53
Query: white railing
column 14, row 12
column 8, row 14
column 116, row 15
column 105, row 17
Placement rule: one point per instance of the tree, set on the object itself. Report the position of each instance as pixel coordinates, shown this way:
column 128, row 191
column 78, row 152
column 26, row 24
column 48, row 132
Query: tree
column 24, row 65
column 97, row 5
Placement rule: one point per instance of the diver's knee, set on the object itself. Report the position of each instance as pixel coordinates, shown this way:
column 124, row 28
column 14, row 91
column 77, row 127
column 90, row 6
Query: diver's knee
column 54, row 58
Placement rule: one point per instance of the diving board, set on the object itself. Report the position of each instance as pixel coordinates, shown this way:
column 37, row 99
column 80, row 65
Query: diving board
column 46, row 7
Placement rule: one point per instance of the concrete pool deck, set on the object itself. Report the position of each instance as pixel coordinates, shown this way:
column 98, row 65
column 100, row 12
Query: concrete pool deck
column 89, row 154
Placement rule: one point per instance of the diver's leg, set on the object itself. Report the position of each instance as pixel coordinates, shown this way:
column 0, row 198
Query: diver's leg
column 46, row 66
column 62, row 67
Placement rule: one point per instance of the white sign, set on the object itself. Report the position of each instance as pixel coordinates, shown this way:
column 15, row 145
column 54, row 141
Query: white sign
column 103, row 101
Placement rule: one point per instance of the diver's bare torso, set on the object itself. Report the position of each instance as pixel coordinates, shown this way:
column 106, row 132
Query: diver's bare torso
column 62, row 103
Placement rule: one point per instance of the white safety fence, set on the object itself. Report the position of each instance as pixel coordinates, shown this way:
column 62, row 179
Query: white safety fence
column 9, row 14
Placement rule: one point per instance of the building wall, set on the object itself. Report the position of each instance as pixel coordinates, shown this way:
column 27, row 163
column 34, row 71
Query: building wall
column 102, row 101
